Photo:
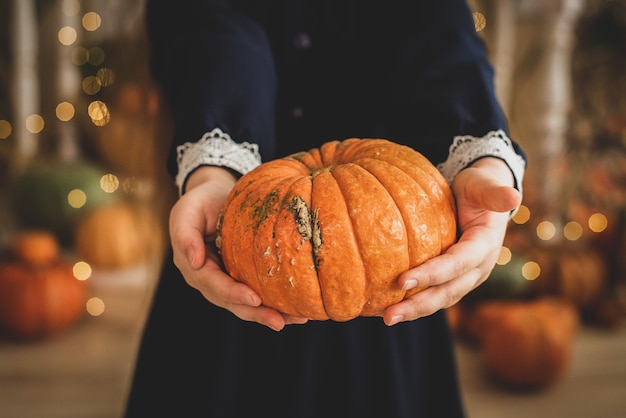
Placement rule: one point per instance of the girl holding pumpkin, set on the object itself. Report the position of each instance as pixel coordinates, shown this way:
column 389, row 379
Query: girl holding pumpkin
column 253, row 80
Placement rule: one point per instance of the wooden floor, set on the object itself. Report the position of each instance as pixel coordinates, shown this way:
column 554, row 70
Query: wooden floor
column 85, row 372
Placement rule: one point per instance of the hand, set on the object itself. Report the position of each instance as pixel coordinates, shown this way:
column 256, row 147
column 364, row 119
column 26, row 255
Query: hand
column 193, row 221
column 484, row 197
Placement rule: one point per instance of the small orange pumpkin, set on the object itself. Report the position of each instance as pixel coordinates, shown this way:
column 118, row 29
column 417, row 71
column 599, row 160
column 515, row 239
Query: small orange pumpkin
column 36, row 246
column 39, row 296
column 118, row 235
column 527, row 344
column 324, row 234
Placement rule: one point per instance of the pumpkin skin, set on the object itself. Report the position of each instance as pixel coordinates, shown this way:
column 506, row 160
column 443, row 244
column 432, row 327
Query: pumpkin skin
column 527, row 344
column 324, row 234
column 39, row 299
column 36, row 246
column 118, row 235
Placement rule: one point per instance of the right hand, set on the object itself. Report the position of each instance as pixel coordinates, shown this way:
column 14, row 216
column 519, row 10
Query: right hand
column 192, row 227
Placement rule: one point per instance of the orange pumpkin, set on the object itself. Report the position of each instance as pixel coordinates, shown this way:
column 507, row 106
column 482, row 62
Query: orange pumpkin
column 527, row 344
column 36, row 246
column 118, row 235
column 38, row 299
column 324, row 234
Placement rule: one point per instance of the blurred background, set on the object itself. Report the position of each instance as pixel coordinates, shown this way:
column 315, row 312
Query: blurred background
column 84, row 199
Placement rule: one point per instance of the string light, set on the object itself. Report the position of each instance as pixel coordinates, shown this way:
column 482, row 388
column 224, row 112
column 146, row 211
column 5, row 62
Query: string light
column 531, row 270
column 91, row 21
column 81, row 270
column 5, row 129
column 546, row 230
column 67, row 35
column 109, row 183
column 76, row 198
column 35, row 124
column 480, row 21
column 95, row 306
column 65, row 111
column 598, row 222
column 522, row 215
column 573, row 231
column 505, row 256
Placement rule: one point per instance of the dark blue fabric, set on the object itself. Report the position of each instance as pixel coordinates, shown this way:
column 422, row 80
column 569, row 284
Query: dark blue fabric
column 289, row 75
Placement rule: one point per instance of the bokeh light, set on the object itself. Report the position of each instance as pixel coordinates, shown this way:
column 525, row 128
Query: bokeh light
column 99, row 113
column 35, row 123
column 91, row 85
column 82, row 270
column 80, row 55
column 504, row 257
column 67, row 35
column 573, row 231
column 531, row 270
column 546, row 230
column 480, row 21
column 91, row 21
column 598, row 222
column 76, row 198
column 65, row 111
column 96, row 56
column 109, row 183
column 95, row 306
column 522, row 215
column 105, row 76
column 5, row 129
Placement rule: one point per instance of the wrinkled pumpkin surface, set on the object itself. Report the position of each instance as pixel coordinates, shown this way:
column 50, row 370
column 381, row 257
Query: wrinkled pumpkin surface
column 324, row 234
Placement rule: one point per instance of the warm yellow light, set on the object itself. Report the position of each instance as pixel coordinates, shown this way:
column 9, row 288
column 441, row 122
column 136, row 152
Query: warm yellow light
column 99, row 113
column 35, row 124
column 91, row 85
column 5, row 129
column 65, row 111
column 531, row 270
column 105, row 76
column 76, row 198
column 598, row 222
column 522, row 215
column 504, row 256
column 96, row 56
column 80, row 55
column 95, row 306
column 546, row 230
column 573, row 231
column 67, row 35
column 82, row 270
column 480, row 21
column 109, row 183
column 91, row 21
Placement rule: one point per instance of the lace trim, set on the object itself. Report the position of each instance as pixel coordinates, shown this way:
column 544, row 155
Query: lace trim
column 215, row 148
column 467, row 149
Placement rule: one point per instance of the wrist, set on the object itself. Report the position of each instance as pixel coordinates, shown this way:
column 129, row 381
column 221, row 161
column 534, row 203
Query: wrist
column 205, row 174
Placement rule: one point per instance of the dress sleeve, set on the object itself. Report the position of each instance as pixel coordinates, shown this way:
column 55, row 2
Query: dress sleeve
column 216, row 71
column 445, row 80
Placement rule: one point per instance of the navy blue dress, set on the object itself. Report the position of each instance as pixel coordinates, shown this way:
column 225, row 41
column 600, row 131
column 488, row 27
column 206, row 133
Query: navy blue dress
column 290, row 75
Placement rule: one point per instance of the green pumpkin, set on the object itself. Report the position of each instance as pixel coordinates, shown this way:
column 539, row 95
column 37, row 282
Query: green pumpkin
column 506, row 282
column 40, row 195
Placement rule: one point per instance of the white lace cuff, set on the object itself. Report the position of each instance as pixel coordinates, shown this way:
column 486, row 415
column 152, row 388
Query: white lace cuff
column 467, row 149
column 215, row 148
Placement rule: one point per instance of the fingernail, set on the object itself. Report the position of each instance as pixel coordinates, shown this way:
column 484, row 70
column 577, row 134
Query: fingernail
column 395, row 319
column 409, row 284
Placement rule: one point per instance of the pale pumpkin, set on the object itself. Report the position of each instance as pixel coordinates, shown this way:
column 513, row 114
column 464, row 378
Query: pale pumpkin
column 118, row 235
column 324, row 234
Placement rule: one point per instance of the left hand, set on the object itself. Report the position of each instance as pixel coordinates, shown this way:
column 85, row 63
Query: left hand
column 484, row 198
